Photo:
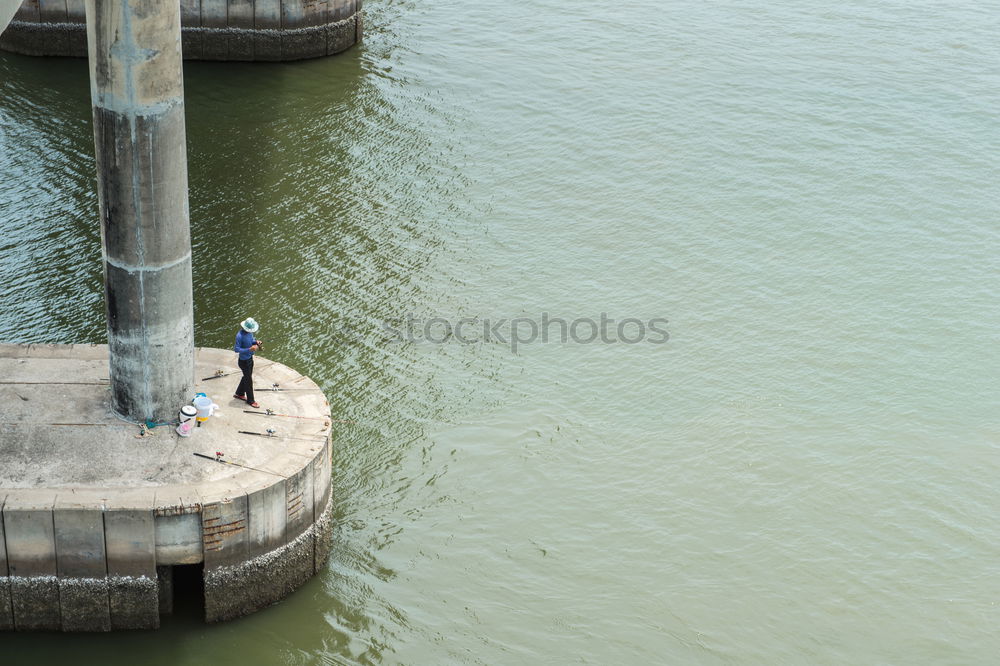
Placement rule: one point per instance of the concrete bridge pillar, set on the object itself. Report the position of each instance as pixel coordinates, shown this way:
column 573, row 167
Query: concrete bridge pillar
column 138, row 98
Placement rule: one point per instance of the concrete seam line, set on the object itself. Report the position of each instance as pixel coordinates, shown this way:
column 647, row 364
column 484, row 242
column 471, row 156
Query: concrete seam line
column 111, row 102
column 55, row 557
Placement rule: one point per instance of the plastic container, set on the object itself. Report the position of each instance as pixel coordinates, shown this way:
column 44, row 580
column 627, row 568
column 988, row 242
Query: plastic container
column 205, row 407
column 186, row 417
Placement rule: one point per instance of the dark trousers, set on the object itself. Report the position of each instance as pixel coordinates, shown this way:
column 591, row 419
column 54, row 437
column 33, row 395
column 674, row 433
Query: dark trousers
column 246, row 384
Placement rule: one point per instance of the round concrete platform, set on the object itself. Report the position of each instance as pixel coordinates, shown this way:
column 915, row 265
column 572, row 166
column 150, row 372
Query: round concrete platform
column 94, row 516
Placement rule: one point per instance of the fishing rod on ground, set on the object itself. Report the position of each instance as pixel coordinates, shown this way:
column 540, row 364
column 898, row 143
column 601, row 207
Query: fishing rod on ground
column 271, row 433
column 271, row 412
column 218, row 458
column 277, row 387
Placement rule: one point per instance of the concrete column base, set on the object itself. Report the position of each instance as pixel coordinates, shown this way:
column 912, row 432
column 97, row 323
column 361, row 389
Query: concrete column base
column 234, row 591
column 92, row 544
column 199, row 42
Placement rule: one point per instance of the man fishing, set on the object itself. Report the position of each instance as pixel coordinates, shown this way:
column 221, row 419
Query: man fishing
column 246, row 346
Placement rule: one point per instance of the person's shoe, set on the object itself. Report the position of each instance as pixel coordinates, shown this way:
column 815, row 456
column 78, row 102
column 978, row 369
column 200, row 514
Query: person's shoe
column 240, row 397
column 255, row 405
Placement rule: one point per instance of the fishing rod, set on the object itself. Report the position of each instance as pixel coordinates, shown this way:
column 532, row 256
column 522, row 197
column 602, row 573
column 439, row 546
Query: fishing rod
column 271, row 412
column 218, row 458
column 277, row 387
column 271, row 433
column 102, row 382
column 221, row 373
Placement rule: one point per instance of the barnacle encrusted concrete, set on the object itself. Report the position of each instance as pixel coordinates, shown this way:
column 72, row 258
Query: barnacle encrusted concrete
column 93, row 514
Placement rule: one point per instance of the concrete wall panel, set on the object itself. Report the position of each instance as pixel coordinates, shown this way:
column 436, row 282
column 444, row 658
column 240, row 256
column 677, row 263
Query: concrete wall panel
column 82, row 564
column 178, row 526
column 79, row 537
column 76, row 11
column 28, row 11
column 52, row 11
column 215, row 13
column 226, row 544
column 241, row 14
column 315, row 12
column 191, row 13
column 267, row 514
column 292, row 15
column 321, row 471
column 224, row 525
column 299, row 502
column 267, row 14
column 130, row 539
column 6, row 613
column 31, row 559
column 336, row 10
column 178, row 539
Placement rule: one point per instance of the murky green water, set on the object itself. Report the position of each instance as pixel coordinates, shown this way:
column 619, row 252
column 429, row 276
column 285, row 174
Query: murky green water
column 805, row 472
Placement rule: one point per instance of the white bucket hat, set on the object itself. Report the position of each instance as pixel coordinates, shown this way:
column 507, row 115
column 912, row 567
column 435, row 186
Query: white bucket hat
column 250, row 325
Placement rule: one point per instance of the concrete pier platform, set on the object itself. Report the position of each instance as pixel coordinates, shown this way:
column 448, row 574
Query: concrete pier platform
column 95, row 513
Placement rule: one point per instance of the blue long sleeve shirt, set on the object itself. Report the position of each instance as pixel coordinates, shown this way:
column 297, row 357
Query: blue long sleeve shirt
column 244, row 341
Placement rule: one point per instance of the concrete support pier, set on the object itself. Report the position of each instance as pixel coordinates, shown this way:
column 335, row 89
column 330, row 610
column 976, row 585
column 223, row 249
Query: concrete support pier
column 138, row 96
column 94, row 517
column 216, row 30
